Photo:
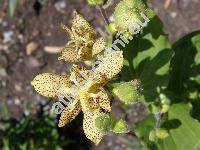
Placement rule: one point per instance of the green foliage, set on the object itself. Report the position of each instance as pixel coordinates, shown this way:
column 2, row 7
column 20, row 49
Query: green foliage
column 169, row 76
column 104, row 3
column 31, row 133
column 143, row 131
column 147, row 58
column 184, row 131
column 161, row 105
column 4, row 112
column 185, row 65
column 107, row 123
column 165, row 77
column 95, row 2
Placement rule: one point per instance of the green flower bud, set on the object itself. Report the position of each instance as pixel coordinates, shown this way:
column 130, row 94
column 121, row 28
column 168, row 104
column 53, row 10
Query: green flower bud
column 130, row 14
column 105, row 123
column 161, row 133
column 152, row 135
column 127, row 92
column 111, row 28
column 120, row 127
column 164, row 99
column 194, row 95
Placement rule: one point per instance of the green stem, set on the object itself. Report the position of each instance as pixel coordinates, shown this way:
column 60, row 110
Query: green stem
column 158, row 120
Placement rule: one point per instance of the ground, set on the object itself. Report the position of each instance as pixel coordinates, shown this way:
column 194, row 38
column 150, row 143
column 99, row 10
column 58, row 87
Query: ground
column 20, row 61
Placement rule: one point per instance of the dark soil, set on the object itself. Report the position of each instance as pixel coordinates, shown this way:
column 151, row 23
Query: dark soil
column 41, row 25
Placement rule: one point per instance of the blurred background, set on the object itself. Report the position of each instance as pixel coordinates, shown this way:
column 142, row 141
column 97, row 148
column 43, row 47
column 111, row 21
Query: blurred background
column 30, row 40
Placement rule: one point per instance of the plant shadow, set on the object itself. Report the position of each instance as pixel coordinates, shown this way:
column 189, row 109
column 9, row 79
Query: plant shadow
column 147, row 58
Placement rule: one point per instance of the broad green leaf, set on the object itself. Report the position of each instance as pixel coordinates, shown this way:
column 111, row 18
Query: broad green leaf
column 195, row 113
column 185, row 64
column 148, row 54
column 147, row 58
column 184, row 131
column 143, row 131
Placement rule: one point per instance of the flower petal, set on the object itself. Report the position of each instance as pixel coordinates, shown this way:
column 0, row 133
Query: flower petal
column 101, row 99
column 86, row 93
column 110, row 65
column 81, row 26
column 85, row 53
column 90, row 130
column 47, row 84
column 69, row 53
column 104, row 100
column 69, row 113
column 78, row 75
column 98, row 46
column 85, row 100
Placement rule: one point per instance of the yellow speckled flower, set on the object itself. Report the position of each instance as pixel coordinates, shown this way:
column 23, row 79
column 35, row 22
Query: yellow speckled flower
column 84, row 44
column 88, row 93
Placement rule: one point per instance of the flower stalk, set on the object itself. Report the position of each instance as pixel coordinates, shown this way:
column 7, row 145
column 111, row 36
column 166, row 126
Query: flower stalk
column 104, row 15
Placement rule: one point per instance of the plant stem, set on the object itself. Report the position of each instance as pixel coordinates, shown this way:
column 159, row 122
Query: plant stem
column 158, row 120
column 103, row 13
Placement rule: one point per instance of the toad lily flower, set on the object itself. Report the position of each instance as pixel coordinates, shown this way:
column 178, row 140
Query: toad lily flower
column 84, row 44
column 88, row 94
